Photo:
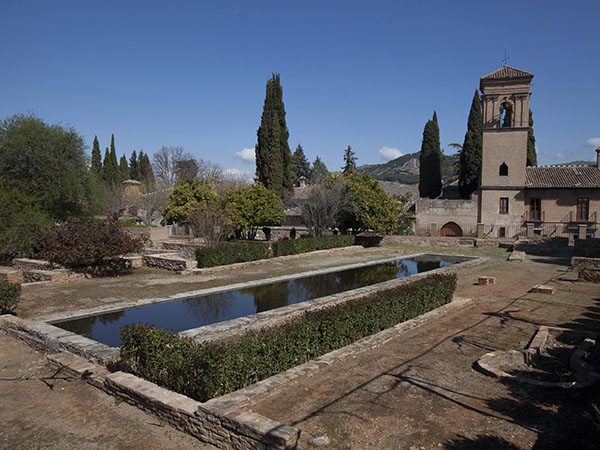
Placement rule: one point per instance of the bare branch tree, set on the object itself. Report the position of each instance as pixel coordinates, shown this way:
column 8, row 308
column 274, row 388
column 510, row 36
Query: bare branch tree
column 116, row 201
column 210, row 222
column 152, row 204
column 165, row 162
column 322, row 206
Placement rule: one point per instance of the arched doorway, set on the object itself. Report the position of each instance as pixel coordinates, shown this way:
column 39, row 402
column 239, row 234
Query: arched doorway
column 451, row 229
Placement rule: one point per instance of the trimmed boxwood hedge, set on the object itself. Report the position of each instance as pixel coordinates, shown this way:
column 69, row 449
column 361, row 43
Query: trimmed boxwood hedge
column 207, row 370
column 230, row 253
column 10, row 293
column 293, row 247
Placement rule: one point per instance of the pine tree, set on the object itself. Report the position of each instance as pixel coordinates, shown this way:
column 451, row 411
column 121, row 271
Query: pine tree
column 319, row 171
column 134, row 168
column 123, row 169
column 96, row 166
column 430, row 161
column 349, row 161
column 470, row 154
column 300, row 165
column 531, row 153
column 273, row 160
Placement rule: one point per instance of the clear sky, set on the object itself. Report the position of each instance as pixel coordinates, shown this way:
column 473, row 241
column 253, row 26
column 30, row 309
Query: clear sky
column 365, row 74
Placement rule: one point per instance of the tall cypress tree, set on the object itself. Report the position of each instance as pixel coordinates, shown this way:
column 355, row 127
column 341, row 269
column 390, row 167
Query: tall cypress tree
column 134, row 168
column 146, row 172
column 430, row 160
column 349, row 161
column 114, row 162
column 106, row 167
column 273, row 160
column 470, row 155
column 300, row 165
column 123, row 169
column 96, row 166
column 531, row 153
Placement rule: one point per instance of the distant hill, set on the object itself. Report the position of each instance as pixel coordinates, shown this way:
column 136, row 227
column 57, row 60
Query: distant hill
column 405, row 169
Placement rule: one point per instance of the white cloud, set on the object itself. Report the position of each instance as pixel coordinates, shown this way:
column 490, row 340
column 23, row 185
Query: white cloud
column 593, row 142
column 389, row 153
column 246, row 154
column 245, row 175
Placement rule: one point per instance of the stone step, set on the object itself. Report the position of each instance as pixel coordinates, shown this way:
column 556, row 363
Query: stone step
column 31, row 264
column 33, row 276
column 11, row 274
column 166, row 261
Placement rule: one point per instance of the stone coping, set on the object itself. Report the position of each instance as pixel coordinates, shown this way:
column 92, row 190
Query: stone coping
column 80, row 314
column 584, row 375
column 224, row 421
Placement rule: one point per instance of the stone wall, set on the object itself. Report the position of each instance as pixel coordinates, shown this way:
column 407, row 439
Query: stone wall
column 433, row 214
column 165, row 261
column 588, row 269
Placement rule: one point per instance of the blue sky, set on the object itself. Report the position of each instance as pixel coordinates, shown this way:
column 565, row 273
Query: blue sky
column 366, row 74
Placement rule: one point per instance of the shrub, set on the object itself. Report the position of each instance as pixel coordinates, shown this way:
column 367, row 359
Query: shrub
column 204, row 371
column 294, row 247
column 88, row 243
column 230, row 253
column 10, row 294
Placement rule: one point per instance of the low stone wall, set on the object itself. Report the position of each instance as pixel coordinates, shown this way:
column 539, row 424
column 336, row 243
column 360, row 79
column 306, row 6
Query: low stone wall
column 224, row 424
column 428, row 240
column 165, row 261
column 11, row 275
column 588, row 269
column 31, row 264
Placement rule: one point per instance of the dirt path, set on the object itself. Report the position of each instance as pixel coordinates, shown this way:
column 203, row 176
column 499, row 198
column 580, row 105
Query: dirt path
column 420, row 390
column 64, row 413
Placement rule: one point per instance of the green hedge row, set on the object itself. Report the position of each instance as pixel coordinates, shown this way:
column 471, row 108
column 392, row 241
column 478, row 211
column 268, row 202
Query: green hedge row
column 293, row 247
column 208, row 370
column 10, row 293
column 230, row 253
column 236, row 252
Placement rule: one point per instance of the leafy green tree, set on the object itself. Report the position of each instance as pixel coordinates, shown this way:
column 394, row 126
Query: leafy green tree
column 188, row 195
column 349, row 161
column 300, row 165
column 369, row 207
column 531, row 153
column 273, row 156
column 45, row 162
column 319, row 171
column 254, row 206
column 470, row 154
column 430, row 161
column 96, row 165
column 134, row 167
column 123, row 169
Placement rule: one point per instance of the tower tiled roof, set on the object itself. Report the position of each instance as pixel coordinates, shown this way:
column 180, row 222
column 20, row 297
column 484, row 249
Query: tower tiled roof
column 507, row 72
column 562, row 177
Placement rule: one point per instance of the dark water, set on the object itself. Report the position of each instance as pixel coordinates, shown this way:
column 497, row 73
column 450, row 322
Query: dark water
column 179, row 315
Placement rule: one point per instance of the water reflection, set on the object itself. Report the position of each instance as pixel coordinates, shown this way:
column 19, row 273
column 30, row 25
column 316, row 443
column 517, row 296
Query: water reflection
column 195, row 312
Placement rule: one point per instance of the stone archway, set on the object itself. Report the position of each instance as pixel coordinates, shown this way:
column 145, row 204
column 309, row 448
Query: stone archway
column 451, row 229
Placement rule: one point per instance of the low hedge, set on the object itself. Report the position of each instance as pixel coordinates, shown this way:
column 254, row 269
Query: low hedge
column 230, row 253
column 293, row 247
column 207, row 370
column 10, row 294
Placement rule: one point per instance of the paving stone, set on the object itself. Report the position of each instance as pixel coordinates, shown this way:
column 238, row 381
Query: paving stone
column 483, row 281
column 542, row 289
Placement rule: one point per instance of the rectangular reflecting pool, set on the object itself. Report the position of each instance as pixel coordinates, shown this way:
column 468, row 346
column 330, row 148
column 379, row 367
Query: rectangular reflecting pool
column 193, row 312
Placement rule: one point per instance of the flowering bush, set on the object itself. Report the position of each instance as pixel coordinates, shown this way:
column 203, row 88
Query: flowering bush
column 88, row 243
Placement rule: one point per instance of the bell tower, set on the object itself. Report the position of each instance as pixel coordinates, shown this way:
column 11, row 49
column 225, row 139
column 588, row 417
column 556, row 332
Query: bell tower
column 505, row 98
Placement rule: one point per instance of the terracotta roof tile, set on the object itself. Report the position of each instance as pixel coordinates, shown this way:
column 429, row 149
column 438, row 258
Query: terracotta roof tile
column 507, row 72
column 563, row 177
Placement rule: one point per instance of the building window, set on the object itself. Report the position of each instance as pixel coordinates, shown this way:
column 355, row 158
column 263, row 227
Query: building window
column 503, row 170
column 503, row 205
column 535, row 209
column 583, row 208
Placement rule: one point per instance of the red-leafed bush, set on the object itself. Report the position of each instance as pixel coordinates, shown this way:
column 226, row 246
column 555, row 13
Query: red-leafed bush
column 90, row 243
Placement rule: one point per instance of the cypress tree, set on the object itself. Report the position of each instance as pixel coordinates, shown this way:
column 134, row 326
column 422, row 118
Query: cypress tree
column 300, row 165
column 134, row 168
column 273, row 162
column 430, row 161
column 531, row 153
column 146, row 172
column 319, row 171
column 106, row 169
column 470, row 154
column 115, row 176
column 96, row 166
column 123, row 169
column 349, row 161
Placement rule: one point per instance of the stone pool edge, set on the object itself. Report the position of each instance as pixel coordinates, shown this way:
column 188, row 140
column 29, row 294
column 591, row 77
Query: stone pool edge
column 223, row 420
column 88, row 312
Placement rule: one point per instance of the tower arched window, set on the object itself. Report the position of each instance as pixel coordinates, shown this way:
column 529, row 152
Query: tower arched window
column 503, row 170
